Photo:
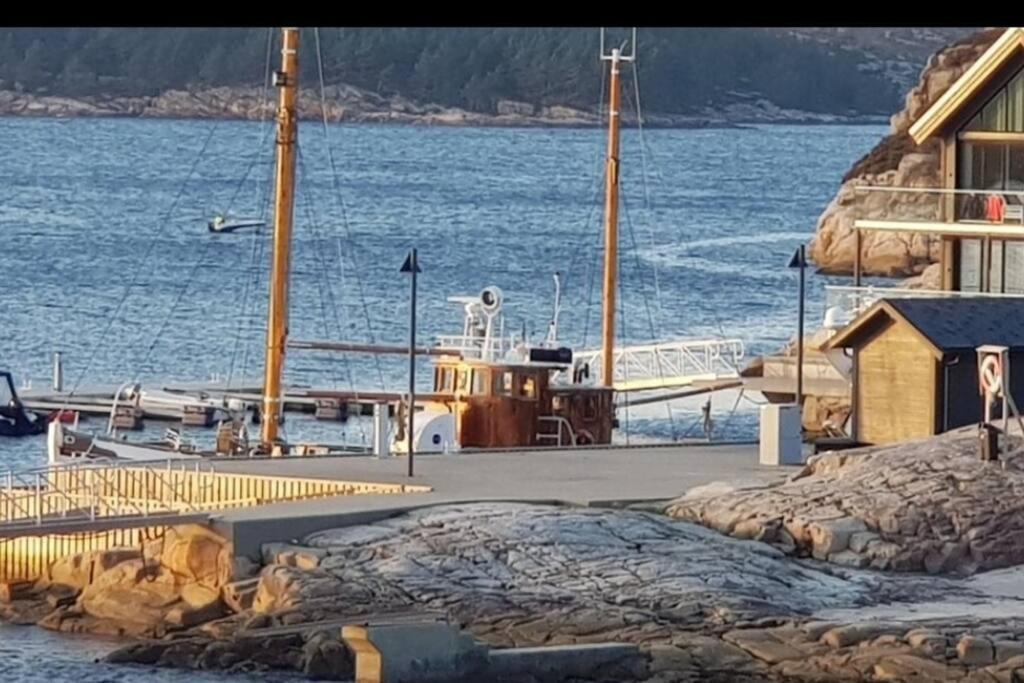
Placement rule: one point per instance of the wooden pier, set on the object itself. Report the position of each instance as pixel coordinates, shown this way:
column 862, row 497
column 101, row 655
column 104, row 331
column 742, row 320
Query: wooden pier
column 99, row 400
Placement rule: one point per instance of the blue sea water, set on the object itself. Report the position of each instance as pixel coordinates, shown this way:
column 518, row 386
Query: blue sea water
column 105, row 256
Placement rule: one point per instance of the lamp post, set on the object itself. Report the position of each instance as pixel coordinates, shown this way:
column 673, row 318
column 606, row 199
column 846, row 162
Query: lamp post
column 799, row 260
column 412, row 267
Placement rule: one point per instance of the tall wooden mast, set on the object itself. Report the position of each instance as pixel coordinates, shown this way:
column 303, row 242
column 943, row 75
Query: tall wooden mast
column 611, row 211
column 287, row 81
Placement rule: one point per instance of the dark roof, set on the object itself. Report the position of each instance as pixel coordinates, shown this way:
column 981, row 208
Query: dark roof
column 965, row 323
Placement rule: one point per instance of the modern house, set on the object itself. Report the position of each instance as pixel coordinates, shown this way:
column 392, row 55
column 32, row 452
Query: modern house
column 979, row 211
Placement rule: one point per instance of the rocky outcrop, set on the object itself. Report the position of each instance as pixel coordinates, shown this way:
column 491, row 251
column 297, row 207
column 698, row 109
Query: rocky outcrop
column 173, row 583
column 895, row 161
column 700, row 605
column 924, row 506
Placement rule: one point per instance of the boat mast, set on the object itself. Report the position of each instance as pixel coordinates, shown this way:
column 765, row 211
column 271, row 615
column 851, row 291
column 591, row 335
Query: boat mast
column 284, row 201
column 611, row 210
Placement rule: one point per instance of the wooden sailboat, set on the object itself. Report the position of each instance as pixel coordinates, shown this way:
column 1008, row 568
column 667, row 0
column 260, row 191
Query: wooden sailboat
column 493, row 393
column 69, row 443
column 488, row 390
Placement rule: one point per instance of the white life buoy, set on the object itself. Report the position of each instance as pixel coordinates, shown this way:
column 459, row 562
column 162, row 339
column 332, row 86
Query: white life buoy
column 991, row 375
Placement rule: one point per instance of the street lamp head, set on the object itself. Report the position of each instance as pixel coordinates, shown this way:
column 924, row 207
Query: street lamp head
column 799, row 259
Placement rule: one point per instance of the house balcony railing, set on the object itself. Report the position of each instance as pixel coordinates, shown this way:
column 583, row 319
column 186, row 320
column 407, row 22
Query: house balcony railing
column 930, row 205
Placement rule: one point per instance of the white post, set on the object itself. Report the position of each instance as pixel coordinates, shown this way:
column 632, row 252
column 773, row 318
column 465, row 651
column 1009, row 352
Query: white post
column 381, row 447
column 58, row 372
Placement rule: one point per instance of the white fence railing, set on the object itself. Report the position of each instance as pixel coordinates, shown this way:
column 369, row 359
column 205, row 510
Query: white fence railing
column 668, row 364
column 844, row 303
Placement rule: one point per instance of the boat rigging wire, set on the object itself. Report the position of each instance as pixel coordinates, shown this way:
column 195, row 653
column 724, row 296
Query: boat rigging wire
column 257, row 246
column 113, row 315
column 340, row 199
column 326, row 283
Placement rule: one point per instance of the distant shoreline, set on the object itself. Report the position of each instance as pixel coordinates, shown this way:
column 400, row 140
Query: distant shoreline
column 350, row 105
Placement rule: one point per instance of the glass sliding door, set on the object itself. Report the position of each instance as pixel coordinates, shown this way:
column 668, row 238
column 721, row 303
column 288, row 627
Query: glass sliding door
column 1013, row 279
column 970, row 266
column 995, row 267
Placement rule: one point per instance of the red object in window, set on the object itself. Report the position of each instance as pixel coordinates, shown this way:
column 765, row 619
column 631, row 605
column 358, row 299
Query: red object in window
column 995, row 208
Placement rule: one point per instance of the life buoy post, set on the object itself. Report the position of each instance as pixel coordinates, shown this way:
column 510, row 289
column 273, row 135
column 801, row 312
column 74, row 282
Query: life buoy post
column 993, row 385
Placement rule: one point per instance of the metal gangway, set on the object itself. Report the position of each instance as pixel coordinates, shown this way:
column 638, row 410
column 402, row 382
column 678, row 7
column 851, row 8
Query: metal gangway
column 667, row 365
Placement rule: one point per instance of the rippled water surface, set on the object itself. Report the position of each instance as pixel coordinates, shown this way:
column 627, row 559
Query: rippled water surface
column 105, row 253
column 105, row 256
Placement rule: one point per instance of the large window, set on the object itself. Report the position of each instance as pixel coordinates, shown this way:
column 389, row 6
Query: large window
column 993, row 164
column 1013, row 272
column 1004, row 113
column 1006, row 266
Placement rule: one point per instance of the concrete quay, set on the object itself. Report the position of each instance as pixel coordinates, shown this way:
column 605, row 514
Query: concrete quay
column 588, row 477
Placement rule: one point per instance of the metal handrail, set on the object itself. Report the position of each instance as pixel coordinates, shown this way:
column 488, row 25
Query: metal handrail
column 560, row 421
column 91, row 490
column 671, row 363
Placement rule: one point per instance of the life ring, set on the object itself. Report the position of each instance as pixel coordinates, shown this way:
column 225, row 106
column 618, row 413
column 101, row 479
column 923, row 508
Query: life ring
column 991, row 375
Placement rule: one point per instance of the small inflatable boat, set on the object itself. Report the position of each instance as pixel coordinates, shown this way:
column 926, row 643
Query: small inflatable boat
column 14, row 419
column 223, row 224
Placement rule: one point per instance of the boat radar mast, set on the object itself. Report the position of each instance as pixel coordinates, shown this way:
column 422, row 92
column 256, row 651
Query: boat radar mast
column 611, row 205
column 284, row 201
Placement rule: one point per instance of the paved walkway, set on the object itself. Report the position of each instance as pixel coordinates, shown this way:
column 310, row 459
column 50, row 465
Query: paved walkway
column 584, row 477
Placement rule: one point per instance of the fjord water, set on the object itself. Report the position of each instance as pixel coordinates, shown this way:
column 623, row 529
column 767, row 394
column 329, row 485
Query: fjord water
column 105, row 254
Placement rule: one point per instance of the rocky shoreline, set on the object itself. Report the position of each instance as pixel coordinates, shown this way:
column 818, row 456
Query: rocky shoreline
column 868, row 565
column 353, row 105
column 896, row 161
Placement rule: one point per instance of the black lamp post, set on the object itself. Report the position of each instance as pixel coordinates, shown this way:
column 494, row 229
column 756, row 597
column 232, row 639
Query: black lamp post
column 799, row 260
column 412, row 267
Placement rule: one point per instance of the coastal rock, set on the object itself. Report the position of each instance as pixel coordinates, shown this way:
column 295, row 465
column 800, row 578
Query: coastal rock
column 1008, row 649
column 326, row 658
column 927, row 642
column 283, row 588
column 704, row 607
column 350, row 104
column 292, row 556
column 852, row 634
column 196, row 554
column 926, row 505
column 240, row 595
column 895, row 161
column 975, row 650
column 175, row 583
column 906, row 668
column 78, row 570
column 833, row 535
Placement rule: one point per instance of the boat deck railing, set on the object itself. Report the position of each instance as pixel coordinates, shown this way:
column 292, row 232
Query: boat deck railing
column 473, row 347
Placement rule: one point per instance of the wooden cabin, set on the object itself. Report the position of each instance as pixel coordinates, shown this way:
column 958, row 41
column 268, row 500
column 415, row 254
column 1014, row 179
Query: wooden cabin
column 915, row 371
column 510, row 405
